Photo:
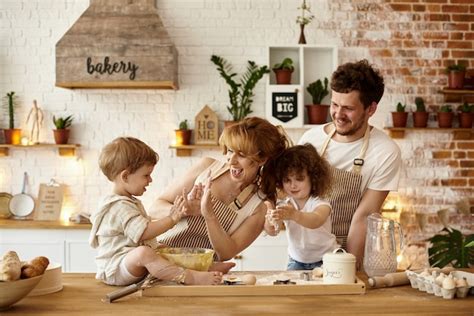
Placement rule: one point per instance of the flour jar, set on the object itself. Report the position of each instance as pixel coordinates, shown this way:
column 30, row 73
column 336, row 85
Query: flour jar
column 339, row 267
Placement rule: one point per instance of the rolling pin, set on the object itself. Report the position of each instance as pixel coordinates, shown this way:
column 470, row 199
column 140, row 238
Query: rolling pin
column 399, row 278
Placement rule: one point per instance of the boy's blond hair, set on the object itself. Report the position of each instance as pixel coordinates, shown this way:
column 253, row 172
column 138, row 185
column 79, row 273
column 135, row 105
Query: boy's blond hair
column 125, row 153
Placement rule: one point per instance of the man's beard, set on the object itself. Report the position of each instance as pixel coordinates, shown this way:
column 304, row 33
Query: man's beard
column 351, row 131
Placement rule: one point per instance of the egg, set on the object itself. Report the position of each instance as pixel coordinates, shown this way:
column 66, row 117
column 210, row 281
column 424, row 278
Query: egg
column 248, row 279
column 439, row 279
column 318, row 272
column 449, row 284
column 461, row 282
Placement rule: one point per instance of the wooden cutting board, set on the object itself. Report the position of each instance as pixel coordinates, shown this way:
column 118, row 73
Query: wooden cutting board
column 263, row 287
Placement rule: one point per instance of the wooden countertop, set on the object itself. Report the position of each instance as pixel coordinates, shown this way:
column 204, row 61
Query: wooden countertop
column 82, row 296
column 8, row 223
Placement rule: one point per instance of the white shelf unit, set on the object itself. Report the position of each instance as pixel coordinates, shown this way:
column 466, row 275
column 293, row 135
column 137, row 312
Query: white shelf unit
column 311, row 62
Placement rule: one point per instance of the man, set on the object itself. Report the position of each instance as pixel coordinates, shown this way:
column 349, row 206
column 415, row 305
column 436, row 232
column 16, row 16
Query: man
column 365, row 161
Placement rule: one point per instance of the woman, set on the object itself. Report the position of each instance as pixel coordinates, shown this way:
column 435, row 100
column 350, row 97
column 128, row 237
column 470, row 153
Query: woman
column 239, row 186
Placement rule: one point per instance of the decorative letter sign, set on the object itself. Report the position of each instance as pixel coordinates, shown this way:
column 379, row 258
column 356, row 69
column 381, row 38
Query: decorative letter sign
column 206, row 127
column 284, row 105
column 50, row 200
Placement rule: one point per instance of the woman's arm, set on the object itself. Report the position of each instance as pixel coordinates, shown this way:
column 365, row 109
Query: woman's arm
column 161, row 207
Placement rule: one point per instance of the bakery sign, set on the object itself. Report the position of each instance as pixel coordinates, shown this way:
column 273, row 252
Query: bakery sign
column 206, row 127
column 284, row 105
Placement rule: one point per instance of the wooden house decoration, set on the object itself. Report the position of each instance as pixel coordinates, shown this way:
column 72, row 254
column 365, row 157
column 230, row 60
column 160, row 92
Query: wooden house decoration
column 206, row 127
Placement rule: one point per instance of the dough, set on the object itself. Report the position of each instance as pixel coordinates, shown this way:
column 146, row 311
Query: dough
column 35, row 267
column 10, row 268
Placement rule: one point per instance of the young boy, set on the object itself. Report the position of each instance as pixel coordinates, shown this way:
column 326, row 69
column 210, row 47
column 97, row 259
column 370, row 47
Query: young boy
column 303, row 176
column 120, row 226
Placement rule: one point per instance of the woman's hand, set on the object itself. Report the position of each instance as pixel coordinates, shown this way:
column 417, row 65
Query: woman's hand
column 193, row 200
column 206, row 204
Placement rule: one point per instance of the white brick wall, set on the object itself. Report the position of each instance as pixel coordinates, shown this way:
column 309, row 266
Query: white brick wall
column 238, row 30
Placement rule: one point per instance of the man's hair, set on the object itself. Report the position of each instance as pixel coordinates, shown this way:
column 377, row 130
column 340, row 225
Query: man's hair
column 359, row 76
column 125, row 153
column 299, row 158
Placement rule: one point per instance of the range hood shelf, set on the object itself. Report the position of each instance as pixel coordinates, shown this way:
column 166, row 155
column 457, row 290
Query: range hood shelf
column 166, row 85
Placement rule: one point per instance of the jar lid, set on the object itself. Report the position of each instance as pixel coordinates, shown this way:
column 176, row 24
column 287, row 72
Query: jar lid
column 339, row 255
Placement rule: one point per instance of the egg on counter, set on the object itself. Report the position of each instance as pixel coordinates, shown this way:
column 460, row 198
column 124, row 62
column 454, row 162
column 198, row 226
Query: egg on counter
column 318, row 272
column 249, row 279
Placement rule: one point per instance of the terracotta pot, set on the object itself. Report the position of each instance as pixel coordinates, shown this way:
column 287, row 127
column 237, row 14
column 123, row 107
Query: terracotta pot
column 399, row 119
column 283, row 76
column 445, row 119
column 12, row 136
column 420, row 119
column 183, row 136
column 456, row 79
column 465, row 120
column 317, row 113
column 61, row 136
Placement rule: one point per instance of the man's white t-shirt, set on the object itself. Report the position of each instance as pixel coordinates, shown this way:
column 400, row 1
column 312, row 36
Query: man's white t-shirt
column 309, row 245
column 382, row 162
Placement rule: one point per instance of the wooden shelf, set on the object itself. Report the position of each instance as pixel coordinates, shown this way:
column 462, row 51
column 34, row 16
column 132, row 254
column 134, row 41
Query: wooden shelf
column 186, row 150
column 457, row 91
column 63, row 149
column 399, row 132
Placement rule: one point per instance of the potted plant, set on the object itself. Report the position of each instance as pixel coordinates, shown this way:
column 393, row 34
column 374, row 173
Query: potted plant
column 283, row 71
column 451, row 247
column 317, row 112
column 466, row 115
column 241, row 92
column 400, row 116
column 61, row 133
column 183, row 134
column 12, row 134
column 445, row 116
column 420, row 116
column 303, row 20
column 456, row 74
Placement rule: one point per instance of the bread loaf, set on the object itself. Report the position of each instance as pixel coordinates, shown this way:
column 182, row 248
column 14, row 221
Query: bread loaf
column 35, row 267
column 10, row 269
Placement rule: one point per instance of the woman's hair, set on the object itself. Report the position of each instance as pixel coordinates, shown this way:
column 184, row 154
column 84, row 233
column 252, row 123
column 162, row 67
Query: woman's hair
column 359, row 76
column 296, row 160
column 125, row 153
column 259, row 140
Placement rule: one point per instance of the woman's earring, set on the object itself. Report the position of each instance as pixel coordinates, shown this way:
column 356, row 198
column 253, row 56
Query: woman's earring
column 260, row 171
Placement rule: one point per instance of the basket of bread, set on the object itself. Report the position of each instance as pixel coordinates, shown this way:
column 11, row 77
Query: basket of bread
column 18, row 278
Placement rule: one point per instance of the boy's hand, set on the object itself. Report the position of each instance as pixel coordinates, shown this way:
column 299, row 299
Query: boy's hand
column 178, row 209
column 206, row 204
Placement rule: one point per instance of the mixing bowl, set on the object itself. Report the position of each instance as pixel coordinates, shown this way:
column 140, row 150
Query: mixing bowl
column 191, row 258
column 13, row 291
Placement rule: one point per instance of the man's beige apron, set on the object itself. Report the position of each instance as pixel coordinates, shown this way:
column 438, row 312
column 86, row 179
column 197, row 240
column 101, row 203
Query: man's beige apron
column 191, row 231
column 345, row 194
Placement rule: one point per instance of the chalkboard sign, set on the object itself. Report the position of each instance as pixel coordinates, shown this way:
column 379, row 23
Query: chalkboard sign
column 284, row 105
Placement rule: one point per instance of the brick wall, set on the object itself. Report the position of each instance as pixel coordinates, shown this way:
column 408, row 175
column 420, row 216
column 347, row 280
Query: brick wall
column 410, row 41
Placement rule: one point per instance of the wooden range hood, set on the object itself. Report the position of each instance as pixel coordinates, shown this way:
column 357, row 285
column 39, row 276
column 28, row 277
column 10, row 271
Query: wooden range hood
column 117, row 44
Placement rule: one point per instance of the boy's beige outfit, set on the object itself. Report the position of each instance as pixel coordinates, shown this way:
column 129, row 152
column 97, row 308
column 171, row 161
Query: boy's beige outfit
column 116, row 229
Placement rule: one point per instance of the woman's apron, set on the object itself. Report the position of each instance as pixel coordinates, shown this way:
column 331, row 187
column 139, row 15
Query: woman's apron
column 345, row 194
column 191, row 231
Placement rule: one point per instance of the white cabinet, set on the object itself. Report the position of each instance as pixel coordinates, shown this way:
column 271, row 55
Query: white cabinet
column 264, row 254
column 69, row 247
column 285, row 103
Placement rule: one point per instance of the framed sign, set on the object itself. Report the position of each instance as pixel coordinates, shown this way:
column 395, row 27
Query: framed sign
column 206, row 127
column 284, row 106
column 50, row 201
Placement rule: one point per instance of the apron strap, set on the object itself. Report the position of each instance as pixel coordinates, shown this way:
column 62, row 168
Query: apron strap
column 359, row 161
column 242, row 197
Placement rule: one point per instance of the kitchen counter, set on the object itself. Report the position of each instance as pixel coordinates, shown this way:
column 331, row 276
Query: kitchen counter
column 82, row 296
column 9, row 223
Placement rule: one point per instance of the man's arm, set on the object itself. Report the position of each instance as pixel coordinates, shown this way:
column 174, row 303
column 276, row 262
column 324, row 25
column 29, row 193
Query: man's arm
column 371, row 203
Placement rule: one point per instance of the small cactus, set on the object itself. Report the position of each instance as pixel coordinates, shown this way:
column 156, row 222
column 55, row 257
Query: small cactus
column 420, row 104
column 317, row 91
column 183, row 124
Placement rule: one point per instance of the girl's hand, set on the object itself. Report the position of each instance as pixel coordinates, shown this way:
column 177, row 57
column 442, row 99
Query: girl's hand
column 178, row 209
column 193, row 200
column 284, row 212
column 271, row 226
column 206, row 204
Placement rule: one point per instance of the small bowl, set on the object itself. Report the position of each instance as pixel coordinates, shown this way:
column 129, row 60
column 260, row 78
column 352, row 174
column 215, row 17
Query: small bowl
column 13, row 291
column 199, row 259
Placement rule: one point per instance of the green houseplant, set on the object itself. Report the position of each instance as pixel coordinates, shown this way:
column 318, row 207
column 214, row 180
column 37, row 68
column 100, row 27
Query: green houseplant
column 451, row 247
column 283, row 71
column 241, row 92
column 456, row 74
column 420, row 116
column 183, row 134
column 445, row 116
column 400, row 117
column 62, row 124
column 317, row 112
column 12, row 134
column 466, row 115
